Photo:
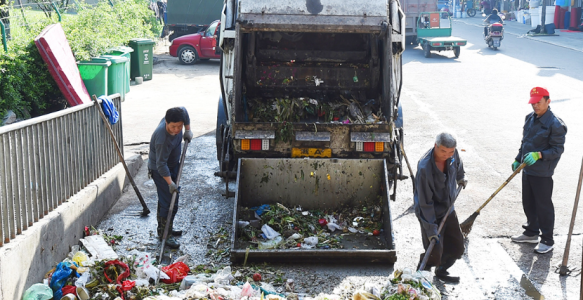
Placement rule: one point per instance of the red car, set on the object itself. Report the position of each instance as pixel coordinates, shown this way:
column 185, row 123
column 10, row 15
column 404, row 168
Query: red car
column 199, row 46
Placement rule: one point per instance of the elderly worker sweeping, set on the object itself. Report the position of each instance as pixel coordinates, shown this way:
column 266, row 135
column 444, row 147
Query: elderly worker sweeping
column 163, row 165
column 439, row 172
column 543, row 141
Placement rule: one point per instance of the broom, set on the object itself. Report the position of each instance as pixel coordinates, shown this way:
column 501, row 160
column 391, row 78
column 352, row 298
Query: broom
column 466, row 225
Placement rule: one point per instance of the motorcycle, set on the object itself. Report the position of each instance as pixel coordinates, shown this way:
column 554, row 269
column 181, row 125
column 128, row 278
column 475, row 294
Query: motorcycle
column 494, row 34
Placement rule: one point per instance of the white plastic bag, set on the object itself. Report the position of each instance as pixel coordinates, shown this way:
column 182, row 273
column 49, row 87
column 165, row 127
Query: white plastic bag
column 270, row 244
column 269, row 232
column 83, row 279
column 311, row 241
column 333, row 226
column 294, row 237
column 223, row 276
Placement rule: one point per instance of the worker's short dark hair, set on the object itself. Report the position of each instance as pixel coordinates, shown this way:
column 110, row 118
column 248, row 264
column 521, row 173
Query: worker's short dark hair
column 546, row 98
column 445, row 139
column 174, row 115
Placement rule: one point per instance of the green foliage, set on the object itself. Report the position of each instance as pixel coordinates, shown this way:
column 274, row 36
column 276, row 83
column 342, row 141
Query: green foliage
column 96, row 30
column 26, row 85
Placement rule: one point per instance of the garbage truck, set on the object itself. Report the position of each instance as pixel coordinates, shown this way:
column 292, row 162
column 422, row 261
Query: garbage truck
column 309, row 116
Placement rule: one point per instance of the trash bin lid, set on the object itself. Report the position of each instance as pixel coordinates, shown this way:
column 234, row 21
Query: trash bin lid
column 116, row 59
column 141, row 41
column 96, row 61
column 123, row 49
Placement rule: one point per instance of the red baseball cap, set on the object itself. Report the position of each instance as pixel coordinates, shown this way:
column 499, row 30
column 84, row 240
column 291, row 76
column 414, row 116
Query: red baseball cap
column 537, row 93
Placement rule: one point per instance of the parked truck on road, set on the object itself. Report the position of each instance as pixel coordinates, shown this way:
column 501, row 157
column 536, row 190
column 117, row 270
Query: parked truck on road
column 309, row 114
column 412, row 9
column 187, row 16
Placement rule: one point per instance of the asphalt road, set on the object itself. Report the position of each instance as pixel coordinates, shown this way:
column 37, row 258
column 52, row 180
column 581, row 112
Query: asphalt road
column 480, row 97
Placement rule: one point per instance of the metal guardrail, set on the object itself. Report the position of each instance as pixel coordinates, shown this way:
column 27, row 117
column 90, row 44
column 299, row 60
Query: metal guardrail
column 46, row 160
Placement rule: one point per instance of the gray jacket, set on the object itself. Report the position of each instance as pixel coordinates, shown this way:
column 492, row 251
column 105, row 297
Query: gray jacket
column 165, row 149
column 436, row 190
column 547, row 135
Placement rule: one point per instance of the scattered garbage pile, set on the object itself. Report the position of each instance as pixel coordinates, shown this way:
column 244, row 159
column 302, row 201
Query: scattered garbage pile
column 278, row 227
column 304, row 109
column 95, row 271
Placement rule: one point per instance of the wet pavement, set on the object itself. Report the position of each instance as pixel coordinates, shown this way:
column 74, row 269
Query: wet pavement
column 492, row 267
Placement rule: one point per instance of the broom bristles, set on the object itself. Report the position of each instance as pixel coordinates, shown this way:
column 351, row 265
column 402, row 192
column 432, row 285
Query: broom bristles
column 466, row 225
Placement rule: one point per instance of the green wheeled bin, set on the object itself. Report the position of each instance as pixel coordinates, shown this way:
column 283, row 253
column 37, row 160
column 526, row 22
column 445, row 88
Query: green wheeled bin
column 124, row 52
column 116, row 75
column 142, row 58
column 94, row 75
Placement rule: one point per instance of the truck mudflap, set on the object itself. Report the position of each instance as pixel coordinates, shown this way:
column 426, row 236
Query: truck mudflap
column 316, row 184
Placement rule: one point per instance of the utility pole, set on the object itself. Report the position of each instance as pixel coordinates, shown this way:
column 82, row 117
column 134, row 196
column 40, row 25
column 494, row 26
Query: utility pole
column 543, row 17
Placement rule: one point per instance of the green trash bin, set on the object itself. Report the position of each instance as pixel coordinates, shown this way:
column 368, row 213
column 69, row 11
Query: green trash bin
column 116, row 75
column 142, row 58
column 125, row 52
column 94, row 75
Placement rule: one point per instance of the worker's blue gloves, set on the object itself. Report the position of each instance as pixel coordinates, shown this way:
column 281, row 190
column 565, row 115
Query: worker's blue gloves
column 515, row 166
column 462, row 182
column 530, row 158
column 434, row 237
column 187, row 136
column 173, row 188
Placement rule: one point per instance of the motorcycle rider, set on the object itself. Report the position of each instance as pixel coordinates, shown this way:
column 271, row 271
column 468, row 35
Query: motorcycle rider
column 492, row 18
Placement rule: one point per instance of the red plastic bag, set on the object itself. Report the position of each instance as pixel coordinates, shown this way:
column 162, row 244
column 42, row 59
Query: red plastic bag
column 128, row 285
column 69, row 289
column 176, row 272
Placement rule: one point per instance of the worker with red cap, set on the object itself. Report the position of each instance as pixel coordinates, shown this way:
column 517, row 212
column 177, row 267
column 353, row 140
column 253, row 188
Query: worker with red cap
column 543, row 140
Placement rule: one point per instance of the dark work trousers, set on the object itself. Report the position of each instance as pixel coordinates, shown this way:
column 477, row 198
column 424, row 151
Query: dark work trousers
column 538, row 207
column 451, row 243
column 164, row 196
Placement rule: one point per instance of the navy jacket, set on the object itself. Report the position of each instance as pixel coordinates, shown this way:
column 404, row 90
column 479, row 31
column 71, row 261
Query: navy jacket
column 545, row 135
column 435, row 190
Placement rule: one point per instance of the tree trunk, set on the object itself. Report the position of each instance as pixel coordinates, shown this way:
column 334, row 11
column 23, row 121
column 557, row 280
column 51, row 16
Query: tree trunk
column 543, row 17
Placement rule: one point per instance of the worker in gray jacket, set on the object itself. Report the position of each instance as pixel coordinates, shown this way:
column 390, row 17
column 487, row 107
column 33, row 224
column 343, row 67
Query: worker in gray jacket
column 543, row 141
column 163, row 165
column 439, row 172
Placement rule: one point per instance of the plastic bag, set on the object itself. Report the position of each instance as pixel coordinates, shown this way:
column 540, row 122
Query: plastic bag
column 333, row 226
column 69, row 289
column 38, row 291
column 247, row 290
column 82, row 281
column 270, row 244
column 223, row 276
column 145, row 269
column 80, row 258
column 128, row 285
column 197, row 291
column 294, row 237
column 269, row 232
column 59, row 278
column 176, row 272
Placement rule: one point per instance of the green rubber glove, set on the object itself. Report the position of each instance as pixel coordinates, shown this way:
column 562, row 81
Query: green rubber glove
column 530, row 158
column 515, row 165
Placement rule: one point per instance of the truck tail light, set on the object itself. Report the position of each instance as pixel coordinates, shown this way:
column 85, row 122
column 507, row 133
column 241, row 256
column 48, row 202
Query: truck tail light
column 460, row 43
column 379, row 146
column 369, row 146
column 435, row 44
column 254, row 144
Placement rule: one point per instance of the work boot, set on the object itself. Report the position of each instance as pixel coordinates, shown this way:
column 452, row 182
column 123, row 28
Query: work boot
column 160, row 229
column 442, row 273
column 170, row 241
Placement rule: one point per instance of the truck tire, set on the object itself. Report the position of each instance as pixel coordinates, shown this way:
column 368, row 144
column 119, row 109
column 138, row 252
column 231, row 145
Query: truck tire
column 187, row 55
column 221, row 123
column 471, row 12
column 426, row 50
column 456, row 51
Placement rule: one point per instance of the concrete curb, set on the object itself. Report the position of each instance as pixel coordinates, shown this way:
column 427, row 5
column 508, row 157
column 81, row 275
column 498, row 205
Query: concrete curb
column 25, row 260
